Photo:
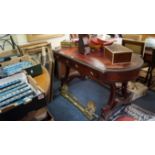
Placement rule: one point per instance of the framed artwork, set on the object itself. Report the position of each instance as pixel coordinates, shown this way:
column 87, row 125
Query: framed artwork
column 37, row 37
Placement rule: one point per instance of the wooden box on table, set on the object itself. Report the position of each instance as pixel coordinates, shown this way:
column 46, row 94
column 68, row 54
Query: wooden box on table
column 118, row 54
column 68, row 44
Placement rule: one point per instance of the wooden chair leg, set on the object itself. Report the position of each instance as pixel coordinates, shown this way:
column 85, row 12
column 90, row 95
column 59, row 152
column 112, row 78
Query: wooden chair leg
column 150, row 78
column 147, row 76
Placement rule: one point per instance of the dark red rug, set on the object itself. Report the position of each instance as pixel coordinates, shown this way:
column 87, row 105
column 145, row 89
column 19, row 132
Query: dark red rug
column 131, row 112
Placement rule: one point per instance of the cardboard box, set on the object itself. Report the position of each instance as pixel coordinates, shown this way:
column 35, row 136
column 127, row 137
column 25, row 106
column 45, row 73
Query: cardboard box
column 118, row 54
column 29, row 82
column 137, row 89
column 34, row 70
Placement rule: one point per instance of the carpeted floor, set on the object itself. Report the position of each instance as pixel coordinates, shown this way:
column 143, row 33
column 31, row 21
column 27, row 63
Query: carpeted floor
column 147, row 102
column 86, row 90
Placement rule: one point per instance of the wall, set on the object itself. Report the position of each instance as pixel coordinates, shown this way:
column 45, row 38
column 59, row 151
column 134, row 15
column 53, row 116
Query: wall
column 21, row 39
column 55, row 42
column 144, row 36
column 7, row 45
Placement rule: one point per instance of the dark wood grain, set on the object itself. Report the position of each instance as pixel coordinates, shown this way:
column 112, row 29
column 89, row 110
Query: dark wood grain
column 98, row 67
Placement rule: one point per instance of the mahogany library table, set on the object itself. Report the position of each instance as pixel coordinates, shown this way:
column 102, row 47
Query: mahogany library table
column 97, row 67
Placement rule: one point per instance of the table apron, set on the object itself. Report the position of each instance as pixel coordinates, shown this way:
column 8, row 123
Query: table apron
column 105, row 77
column 124, row 76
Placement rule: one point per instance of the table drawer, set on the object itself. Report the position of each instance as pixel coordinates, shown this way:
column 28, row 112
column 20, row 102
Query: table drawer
column 85, row 71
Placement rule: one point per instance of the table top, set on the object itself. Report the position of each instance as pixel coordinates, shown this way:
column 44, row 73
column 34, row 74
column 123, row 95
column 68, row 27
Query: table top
column 43, row 80
column 98, row 61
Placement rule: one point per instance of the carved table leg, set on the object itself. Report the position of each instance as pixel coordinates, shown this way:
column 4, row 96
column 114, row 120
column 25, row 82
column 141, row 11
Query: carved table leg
column 111, row 102
column 124, row 89
column 65, row 79
column 126, row 96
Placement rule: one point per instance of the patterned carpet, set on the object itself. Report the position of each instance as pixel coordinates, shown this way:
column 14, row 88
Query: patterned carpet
column 131, row 112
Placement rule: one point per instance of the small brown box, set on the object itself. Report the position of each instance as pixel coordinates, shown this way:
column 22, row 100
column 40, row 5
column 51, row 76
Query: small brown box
column 118, row 53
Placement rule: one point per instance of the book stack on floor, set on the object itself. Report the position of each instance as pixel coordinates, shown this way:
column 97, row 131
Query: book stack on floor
column 18, row 88
column 130, row 112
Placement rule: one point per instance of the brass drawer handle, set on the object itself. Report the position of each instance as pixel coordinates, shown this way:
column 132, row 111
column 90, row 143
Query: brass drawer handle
column 91, row 73
column 76, row 66
column 57, row 57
